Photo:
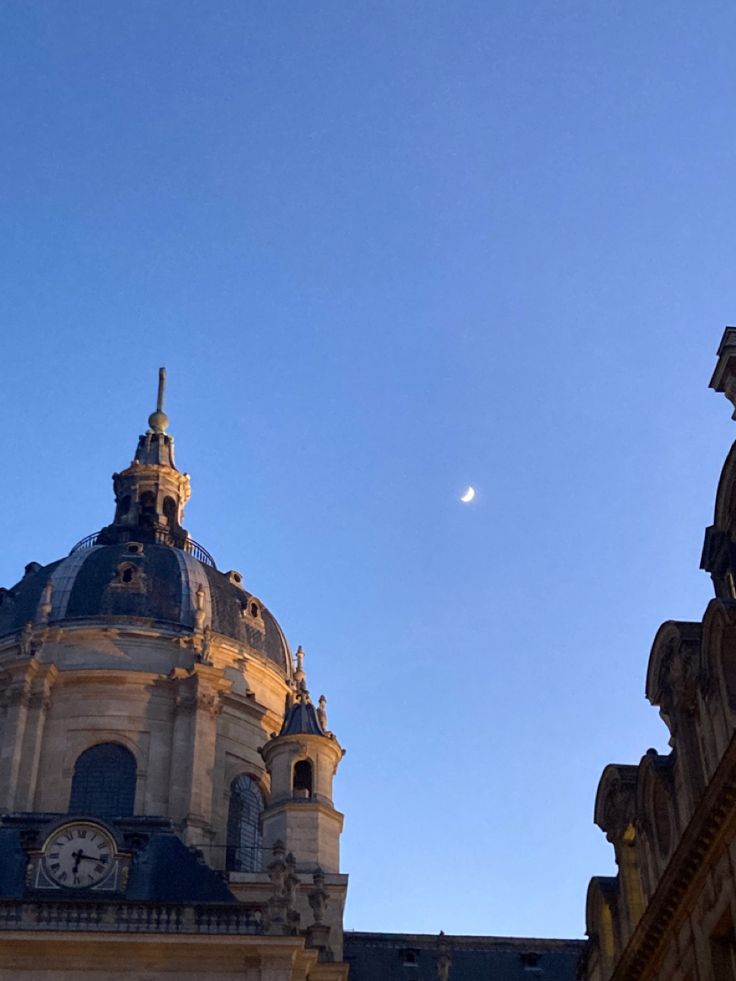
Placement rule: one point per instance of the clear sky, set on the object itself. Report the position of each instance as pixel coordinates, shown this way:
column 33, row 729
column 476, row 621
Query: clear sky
column 388, row 249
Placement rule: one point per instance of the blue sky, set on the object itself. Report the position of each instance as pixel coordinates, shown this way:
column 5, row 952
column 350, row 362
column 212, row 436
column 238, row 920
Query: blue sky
column 386, row 250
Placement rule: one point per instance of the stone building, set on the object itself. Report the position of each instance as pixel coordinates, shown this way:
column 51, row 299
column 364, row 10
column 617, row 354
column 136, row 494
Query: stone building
column 670, row 912
column 166, row 779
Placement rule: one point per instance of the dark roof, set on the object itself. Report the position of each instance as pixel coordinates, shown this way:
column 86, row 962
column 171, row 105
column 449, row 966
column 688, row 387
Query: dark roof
column 302, row 718
column 163, row 868
column 413, row 957
column 13, row 864
column 86, row 585
column 166, row 871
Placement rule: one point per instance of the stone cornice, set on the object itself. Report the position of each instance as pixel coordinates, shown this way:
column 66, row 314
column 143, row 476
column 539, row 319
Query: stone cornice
column 704, row 837
column 296, row 804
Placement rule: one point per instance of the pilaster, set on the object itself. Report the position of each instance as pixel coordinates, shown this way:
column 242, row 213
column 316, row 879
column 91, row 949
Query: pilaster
column 197, row 704
column 27, row 697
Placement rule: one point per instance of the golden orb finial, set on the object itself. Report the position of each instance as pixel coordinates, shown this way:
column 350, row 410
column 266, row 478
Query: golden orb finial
column 158, row 420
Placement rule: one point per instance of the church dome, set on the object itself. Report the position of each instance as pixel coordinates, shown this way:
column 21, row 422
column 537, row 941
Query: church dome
column 145, row 567
column 134, row 581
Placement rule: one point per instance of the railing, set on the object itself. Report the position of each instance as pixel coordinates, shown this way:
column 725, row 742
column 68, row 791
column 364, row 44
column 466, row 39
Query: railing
column 194, row 549
column 126, row 917
column 199, row 552
column 85, row 543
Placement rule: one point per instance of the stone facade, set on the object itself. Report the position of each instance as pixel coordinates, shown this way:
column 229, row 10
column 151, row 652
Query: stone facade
column 166, row 781
column 670, row 912
column 137, row 647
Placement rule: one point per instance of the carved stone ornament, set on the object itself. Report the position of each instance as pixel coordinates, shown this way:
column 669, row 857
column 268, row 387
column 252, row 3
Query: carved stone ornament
column 281, row 916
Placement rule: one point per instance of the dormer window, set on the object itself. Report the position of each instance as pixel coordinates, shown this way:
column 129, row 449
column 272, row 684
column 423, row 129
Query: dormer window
column 252, row 612
column 530, row 959
column 128, row 575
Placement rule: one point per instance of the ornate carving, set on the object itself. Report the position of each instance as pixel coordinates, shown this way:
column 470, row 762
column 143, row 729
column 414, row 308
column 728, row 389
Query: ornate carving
column 25, row 640
column 318, row 934
column 281, row 916
column 276, row 910
column 191, row 701
column 318, row 897
column 210, row 702
column 199, row 612
column 205, row 648
column 322, row 712
column 45, row 605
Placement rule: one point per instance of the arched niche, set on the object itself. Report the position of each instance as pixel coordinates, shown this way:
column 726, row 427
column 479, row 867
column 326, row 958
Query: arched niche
column 302, row 779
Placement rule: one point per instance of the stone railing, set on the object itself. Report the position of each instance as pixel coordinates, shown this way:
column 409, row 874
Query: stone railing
column 129, row 917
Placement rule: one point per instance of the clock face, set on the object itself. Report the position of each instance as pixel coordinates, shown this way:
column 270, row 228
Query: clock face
column 78, row 855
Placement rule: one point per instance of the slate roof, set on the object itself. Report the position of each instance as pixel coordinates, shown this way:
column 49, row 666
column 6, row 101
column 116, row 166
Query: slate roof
column 84, row 586
column 301, row 718
column 163, row 868
column 413, row 957
column 166, row 871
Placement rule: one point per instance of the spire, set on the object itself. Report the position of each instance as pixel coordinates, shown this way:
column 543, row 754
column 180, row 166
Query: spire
column 303, row 717
column 157, row 446
column 158, row 421
column 151, row 493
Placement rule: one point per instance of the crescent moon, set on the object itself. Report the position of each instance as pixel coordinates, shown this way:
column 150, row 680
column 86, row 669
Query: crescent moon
column 468, row 495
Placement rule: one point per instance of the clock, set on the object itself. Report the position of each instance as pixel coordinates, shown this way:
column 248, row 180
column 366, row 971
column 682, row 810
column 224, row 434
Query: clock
column 78, row 855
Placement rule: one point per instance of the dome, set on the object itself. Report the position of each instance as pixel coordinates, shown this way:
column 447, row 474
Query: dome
column 136, row 581
column 144, row 566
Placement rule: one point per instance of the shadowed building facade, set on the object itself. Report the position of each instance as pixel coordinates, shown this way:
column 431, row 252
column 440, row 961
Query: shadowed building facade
column 166, row 801
column 670, row 912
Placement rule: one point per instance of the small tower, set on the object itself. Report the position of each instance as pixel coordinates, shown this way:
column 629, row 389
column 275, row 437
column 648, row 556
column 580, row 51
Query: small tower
column 302, row 760
column 151, row 493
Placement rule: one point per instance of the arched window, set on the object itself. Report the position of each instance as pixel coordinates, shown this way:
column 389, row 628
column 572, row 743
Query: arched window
column 244, row 848
column 147, row 509
column 124, row 506
column 303, row 779
column 103, row 784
